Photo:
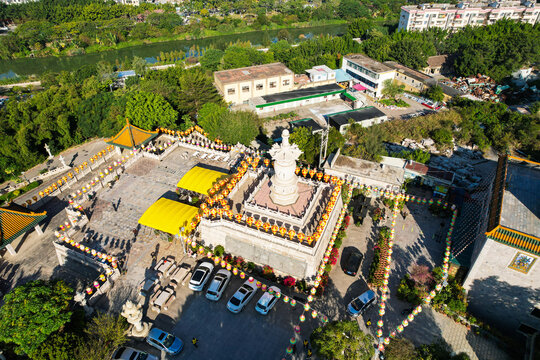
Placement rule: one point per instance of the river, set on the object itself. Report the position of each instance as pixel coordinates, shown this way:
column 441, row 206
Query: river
column 38, row 66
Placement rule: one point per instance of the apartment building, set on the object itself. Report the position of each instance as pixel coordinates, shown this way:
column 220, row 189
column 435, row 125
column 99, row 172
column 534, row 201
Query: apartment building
column 238, row 86
column 368, row 74
column 454, row 17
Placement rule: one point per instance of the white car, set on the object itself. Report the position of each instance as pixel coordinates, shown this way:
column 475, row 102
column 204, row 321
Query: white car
column 127, row 353
column 218, row 285
column 241, row 297
column 267, row 301
column 200, row 276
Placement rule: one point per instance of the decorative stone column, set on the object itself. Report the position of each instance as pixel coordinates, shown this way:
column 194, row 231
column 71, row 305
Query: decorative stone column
column 80, row 298
column 134, row 314
column 284, row 183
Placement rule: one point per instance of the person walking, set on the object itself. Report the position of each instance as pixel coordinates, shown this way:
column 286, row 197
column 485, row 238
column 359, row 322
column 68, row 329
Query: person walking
column 306, row 343
column 368, row 323
column 194, row 341
column 309, row 353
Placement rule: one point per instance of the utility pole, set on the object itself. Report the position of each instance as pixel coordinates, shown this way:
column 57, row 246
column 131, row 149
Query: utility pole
column 324, row 137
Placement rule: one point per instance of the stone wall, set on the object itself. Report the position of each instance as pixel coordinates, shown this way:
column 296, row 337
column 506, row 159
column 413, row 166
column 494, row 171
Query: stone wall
column 500, row 295
column 285, row 256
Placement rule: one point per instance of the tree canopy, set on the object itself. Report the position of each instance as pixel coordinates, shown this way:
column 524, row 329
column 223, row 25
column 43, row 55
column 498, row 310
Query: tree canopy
column 230, row 126
column 31, row 312
column 342, row 340
column 149, row 111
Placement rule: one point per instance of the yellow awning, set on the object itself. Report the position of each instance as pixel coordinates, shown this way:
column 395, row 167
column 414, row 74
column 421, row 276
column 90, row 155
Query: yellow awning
column 200, row 179
column 168, row 216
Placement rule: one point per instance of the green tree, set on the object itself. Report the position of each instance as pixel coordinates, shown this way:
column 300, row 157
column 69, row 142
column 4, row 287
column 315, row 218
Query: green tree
column 358, row 28
column 442, row 136
column 342, row 340
column 434, row 93
column 59, row 346
column 211, row 59
column 231, row 127
column 104, row 334
column 139, row 65
column 149, row 111
column 307, row 142
column 284, row 34
column 92, row 112
column 33, row 311
column 400, row 349
column 391, row 88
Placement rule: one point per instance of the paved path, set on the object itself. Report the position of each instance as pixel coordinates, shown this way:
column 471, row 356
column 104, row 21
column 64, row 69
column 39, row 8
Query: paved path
column 417, row 241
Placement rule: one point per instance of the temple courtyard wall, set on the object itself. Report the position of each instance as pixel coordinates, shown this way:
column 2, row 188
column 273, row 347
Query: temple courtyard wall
column 283, row 255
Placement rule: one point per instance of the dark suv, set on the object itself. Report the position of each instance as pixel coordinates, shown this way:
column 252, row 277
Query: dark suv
column 352, row 262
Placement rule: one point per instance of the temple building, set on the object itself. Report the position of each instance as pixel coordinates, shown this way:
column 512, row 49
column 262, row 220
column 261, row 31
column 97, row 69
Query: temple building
column 131, row 137
column 16, row 220
column 272, row 216
column 504, row 280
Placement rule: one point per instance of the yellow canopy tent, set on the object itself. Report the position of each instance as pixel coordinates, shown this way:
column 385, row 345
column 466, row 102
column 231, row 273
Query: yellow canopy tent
column 168, row 216
column 200, row 179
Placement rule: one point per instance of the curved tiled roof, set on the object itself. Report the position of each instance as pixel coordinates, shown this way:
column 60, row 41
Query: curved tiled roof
column 15, row 220
column 131, row 136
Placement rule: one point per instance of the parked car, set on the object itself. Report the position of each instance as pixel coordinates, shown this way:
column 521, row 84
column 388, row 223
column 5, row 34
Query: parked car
column 352, row 262
column 200, row 276
column 164, row 341
column 360, row 304
column 127, row 353
column 218, row 285
column 267, row 301
column 241, row 297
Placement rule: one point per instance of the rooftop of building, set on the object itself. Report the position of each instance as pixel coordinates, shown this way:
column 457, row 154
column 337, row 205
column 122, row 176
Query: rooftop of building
column 439, row 60
column 301, row 93
column 320, row 69
column 341, row 75
column 417, row 75
column 514, row 214
column 369, row 169
column 131, row 136
column 252, row 73
column 521, row 199
column 429, row 170
column 307, row 122
column 368, row 63
column 470, row 5
column 358, row 115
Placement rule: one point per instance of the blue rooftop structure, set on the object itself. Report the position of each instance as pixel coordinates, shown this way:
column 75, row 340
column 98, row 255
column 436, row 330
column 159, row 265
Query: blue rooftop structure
column 125, row 74
column 342, row 76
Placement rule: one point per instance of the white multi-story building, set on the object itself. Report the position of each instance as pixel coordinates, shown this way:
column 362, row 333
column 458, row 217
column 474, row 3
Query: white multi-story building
column 368, row 74
column 455, row 17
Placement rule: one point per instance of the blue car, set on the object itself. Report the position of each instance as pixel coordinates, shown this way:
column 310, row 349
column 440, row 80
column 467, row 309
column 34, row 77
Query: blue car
column 164, row 341
column 359, row 305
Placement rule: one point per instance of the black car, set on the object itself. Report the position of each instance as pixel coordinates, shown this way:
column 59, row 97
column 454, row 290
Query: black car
column 352, row 262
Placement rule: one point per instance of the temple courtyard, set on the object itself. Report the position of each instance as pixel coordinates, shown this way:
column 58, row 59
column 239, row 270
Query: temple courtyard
column 113, row 228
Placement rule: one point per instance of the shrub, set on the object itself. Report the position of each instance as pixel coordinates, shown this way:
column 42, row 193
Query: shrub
column 289, row 281
column 219, row 251
column 421, row 275
column 301, row 285
column 267, row 270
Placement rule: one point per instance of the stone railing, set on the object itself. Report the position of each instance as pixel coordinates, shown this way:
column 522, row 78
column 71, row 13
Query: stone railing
column 249, row 205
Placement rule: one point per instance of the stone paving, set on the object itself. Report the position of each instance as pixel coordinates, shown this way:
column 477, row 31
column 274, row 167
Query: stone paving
column 419, row 239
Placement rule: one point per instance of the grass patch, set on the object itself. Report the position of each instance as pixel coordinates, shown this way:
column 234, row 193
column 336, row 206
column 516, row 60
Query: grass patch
column 392, row 102
column 16, row 193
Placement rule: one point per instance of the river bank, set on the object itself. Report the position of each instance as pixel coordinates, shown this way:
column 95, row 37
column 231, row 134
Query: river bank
column 150, row 50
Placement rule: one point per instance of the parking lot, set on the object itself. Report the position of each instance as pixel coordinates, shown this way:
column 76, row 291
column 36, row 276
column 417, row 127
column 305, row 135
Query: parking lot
column 224, row 335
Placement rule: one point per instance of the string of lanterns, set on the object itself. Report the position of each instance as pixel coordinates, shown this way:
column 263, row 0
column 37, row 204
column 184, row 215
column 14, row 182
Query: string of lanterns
column 216, row 144
column 101, row 256
column 429, row 297
column 64, row 180
column 320, row 272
